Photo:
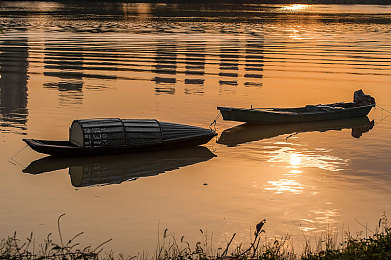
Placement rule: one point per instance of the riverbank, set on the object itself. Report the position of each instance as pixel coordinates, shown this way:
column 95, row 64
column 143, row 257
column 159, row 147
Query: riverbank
column 377, row 245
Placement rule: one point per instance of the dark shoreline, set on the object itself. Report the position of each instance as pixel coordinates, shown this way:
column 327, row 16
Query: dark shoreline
column 341, row 2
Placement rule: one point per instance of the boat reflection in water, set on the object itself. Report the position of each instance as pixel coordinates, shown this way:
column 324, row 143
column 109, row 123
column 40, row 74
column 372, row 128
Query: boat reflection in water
column 248, row 132
column 115, row 169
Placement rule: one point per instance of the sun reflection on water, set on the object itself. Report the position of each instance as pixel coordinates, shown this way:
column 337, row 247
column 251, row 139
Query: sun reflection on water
column 294, row 158
column 323, row 220
column 295, row 33
column 295, row 7
column 315, row 158
column 285, row 185
column 293, row 173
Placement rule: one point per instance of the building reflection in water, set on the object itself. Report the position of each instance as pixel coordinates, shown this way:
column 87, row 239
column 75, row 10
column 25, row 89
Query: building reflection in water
column 165, row 67
column 115, row 169
column 254, row 62
column 229, row 64
column 238, row 60
column 13, row 83
column 195, row 68
column 64, row 69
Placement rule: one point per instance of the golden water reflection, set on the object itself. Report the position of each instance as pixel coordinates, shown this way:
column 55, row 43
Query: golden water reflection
column 293, row 173
column 295, row 7
column 316, row 158
column 294, row 160
column 320, row 220
column 291, row 155
column 70, row 61
column 285, row 185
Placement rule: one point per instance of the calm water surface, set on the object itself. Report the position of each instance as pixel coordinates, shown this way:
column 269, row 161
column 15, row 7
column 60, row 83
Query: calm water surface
column 176, row 63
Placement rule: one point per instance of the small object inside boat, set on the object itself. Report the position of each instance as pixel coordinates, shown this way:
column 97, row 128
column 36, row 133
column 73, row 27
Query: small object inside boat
column 361, row 99
column 361, row 106
column 114, row 135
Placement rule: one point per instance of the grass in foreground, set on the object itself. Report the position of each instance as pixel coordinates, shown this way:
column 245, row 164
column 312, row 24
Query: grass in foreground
column 376, row 246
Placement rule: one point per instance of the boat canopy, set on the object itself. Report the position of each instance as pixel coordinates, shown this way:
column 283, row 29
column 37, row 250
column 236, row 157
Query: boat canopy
column 115, row 132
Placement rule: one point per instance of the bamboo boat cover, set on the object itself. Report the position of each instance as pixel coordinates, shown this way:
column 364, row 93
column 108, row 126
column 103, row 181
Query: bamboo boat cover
column 109, row 132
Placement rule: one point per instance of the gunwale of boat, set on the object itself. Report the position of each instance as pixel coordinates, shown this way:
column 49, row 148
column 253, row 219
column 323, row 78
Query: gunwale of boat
column 52, row 143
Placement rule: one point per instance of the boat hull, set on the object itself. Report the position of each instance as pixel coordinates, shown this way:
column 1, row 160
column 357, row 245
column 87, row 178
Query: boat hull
column 65, row 148
column 258, row 116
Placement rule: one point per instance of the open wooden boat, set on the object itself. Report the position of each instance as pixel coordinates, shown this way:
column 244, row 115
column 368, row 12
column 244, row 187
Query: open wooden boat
column 360, row 107
column 118, row 168
column 249, row 132
column 114, row 135
column 294, row 115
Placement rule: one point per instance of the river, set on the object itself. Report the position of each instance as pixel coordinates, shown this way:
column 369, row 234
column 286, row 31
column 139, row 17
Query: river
column 177, row 63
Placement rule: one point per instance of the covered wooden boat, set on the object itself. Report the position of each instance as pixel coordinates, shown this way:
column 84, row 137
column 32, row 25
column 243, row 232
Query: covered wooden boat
column 114, row 135
column 249, row 132
column 360, row 107
column 115, row 169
